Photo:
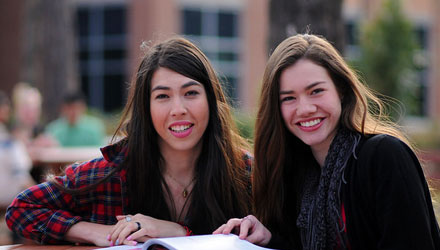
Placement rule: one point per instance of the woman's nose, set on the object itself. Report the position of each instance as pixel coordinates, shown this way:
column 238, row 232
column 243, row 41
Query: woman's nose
column 178, row 107
column 305, row 107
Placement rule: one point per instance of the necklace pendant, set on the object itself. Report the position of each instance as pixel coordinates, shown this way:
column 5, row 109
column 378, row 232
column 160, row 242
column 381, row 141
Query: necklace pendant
column 185, row 193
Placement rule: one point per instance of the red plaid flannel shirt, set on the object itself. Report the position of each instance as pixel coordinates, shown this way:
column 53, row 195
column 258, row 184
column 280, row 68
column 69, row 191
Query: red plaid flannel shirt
column 45, row 213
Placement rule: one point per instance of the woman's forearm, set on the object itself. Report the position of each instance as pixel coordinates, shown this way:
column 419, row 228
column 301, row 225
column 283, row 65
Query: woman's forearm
column 87, row 232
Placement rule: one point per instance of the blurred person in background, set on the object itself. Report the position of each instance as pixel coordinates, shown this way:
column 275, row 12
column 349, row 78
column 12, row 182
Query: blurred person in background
column 74, row 127
column 27, row 101
column 27, row 126
column 14, row 164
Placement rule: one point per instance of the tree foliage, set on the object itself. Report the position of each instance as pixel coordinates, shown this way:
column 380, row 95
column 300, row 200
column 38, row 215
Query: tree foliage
column 388, row 46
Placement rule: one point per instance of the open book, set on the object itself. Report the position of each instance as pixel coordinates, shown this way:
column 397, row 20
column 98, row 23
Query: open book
column 199, row 242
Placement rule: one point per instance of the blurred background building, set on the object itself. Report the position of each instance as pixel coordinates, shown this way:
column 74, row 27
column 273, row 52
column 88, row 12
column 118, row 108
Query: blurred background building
column 102, row 50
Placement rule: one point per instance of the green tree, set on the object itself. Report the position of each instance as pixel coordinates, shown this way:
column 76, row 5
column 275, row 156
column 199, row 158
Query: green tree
column 388, row 45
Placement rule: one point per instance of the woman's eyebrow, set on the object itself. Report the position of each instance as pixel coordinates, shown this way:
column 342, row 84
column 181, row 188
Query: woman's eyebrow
column 313, row 85
column 308, row 87
column 190, row 83
column 286, row 92
column 160, row 87
column 186, row 85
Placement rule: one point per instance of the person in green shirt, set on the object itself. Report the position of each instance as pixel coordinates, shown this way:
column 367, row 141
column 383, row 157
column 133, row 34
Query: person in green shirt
column 74, row 127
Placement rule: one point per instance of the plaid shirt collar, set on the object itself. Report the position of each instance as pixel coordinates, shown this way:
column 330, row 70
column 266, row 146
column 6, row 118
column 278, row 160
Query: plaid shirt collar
column 115, row 153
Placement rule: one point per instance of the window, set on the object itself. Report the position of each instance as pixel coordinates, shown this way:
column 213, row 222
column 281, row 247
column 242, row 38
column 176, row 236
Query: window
column 422, row 36
column 101, row 33
column 215, row 31
column 351, row 40
column 226, row 24
column 192, row 21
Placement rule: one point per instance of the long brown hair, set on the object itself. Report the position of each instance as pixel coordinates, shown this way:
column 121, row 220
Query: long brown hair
column 280, row 157
column 221, row 189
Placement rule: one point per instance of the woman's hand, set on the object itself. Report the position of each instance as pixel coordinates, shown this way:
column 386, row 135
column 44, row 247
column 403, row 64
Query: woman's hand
column 249, row 228
column 139, row 228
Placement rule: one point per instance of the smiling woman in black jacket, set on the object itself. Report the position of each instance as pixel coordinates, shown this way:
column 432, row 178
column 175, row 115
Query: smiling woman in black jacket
column 330, row 172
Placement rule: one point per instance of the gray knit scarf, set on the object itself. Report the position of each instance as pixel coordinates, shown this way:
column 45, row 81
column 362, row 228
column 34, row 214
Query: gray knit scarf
column 320, row 219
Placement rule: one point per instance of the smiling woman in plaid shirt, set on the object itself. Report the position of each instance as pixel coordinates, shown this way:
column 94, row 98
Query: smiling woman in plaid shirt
column 179, row 169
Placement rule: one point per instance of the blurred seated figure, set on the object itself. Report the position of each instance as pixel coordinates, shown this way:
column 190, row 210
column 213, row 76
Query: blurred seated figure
column 26, row 125
column 14, row 159
column 14, row 166
column 74, row 127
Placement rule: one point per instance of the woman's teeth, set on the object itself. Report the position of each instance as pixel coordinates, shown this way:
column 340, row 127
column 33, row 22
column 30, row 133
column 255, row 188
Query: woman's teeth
column 180, row 128
column 310, row 123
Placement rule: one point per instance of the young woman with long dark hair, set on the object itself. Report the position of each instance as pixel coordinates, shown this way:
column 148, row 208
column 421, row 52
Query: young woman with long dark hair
column 331, row 171
column 180, row 168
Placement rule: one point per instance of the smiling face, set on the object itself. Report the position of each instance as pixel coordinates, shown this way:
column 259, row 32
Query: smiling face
column 310, row 104
column 179, row 110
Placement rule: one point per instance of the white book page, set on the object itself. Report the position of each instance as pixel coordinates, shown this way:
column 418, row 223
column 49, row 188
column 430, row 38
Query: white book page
column 199, row 242
column 124, row 247
column 204, row 242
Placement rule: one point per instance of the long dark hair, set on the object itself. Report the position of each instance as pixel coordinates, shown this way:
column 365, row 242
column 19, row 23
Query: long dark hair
column 280, row 157
column 221, row 189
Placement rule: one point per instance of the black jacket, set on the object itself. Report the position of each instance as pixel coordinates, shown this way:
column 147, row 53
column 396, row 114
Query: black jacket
column 386, row 198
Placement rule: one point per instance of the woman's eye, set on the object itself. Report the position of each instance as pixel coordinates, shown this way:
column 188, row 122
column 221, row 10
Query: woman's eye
column 161, row 96
column 287, row 98
column 316, row 91
column 191, row 93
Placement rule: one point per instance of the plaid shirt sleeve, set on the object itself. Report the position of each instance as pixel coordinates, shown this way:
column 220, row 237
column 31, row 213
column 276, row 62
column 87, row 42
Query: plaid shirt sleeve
column 248, row 160
column 45, row 213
